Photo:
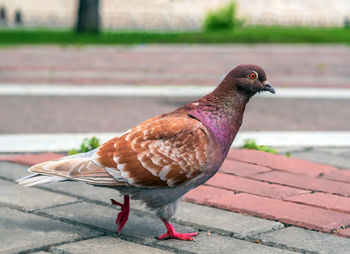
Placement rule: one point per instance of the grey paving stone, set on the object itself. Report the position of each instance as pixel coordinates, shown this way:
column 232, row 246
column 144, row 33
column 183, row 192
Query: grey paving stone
column 323, row 158
column 12, row 171
column 308, row 240
column 106, row 244
column 30, row 198
column 346, row 153
column 217, row 244
column 241, row 225
column 88, row 191
column 288, row 149
column 333, row 150
column 21, row 231
column 138, row 228
column 91, row 193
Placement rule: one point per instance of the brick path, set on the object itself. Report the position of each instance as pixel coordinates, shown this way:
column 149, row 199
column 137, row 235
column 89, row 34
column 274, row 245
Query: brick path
column 274, row 187
column 27, row 114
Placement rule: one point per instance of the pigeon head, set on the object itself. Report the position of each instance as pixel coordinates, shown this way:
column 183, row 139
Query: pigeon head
column 250, row 79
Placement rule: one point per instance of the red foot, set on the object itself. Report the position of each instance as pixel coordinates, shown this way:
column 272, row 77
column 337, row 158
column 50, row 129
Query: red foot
column 123, row 215
column 171, row 233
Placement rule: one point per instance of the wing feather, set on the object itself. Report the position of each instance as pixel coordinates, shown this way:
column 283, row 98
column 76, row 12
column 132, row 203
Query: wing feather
column 163, row 151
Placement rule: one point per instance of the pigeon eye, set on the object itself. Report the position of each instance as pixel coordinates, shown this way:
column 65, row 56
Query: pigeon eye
column 253, row 75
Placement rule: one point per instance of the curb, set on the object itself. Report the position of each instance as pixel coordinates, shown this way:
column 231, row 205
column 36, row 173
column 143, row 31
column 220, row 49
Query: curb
column 60, row 142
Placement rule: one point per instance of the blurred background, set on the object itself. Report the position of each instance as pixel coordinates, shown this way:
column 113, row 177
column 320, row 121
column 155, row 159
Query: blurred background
column 172, row 14
column 74, row 69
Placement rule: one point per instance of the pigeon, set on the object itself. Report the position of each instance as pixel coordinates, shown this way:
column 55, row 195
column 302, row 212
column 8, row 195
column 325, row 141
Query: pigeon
column 161, row 159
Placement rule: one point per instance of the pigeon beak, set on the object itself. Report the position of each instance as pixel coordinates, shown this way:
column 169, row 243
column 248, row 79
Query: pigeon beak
column 268, row 87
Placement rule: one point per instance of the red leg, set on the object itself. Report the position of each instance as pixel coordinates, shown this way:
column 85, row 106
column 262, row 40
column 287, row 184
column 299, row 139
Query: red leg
column 171, row 233
column 123, row 215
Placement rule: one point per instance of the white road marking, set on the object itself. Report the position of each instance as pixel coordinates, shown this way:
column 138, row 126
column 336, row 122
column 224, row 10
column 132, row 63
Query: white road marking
column 63, row 142
column 159, row 91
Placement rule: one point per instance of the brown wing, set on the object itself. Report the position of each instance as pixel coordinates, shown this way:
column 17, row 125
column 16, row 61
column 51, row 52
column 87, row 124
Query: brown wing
column 163, row 151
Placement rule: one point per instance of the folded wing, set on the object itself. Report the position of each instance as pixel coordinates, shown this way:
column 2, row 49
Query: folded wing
column 164, row 151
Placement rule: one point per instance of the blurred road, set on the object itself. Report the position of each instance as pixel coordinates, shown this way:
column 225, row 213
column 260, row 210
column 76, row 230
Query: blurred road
column 117, row 114
column 286, row 66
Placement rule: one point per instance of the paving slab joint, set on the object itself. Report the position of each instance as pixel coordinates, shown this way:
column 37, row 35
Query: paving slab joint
column 252, row 239
column 58, row 251
column 42, row 213
column 15, row 207
column 202, row 228
column 255, row 239
column 59, row 205
column 170, row 249
column 92, row 201
column 48, row 247
column 274, row 229
column 7, row 179
column 342, row 227
column 283, row 246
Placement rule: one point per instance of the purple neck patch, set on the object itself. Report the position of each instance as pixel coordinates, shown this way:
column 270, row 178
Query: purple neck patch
column 223, row 126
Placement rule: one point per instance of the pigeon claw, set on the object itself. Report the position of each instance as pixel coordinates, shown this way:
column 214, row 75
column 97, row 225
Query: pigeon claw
column 123, row 215
column 172, row 234
column 176, row 235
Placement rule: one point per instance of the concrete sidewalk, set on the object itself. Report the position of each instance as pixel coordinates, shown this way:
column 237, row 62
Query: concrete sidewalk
column 78, row 218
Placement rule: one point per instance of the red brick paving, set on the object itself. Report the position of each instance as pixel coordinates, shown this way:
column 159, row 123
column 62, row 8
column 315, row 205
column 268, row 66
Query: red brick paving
column 339, row 175
column 323, row 200
column 305, row 182
column 204, row 193
column 269, row 186
column 286, row 212
column 343, row 233
column 291, row 165
column 241, row 184
column 30, row 159
column 242, row 168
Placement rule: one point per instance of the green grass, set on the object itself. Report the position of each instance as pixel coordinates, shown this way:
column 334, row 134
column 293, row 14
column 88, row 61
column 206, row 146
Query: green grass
column 249, row 34
column 221, row 19
column 87, row 145
column 251, row 145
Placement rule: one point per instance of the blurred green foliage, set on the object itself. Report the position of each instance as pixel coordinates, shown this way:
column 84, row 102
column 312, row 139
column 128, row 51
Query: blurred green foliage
column 347, row 23
column 244, row 34
column 223, row 18
column 87, row 145
column 251, row 144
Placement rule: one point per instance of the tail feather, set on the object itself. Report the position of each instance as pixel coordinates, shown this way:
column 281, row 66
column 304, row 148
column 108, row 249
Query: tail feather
column 35, row 179
column 61, row 167
column 75, row 167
